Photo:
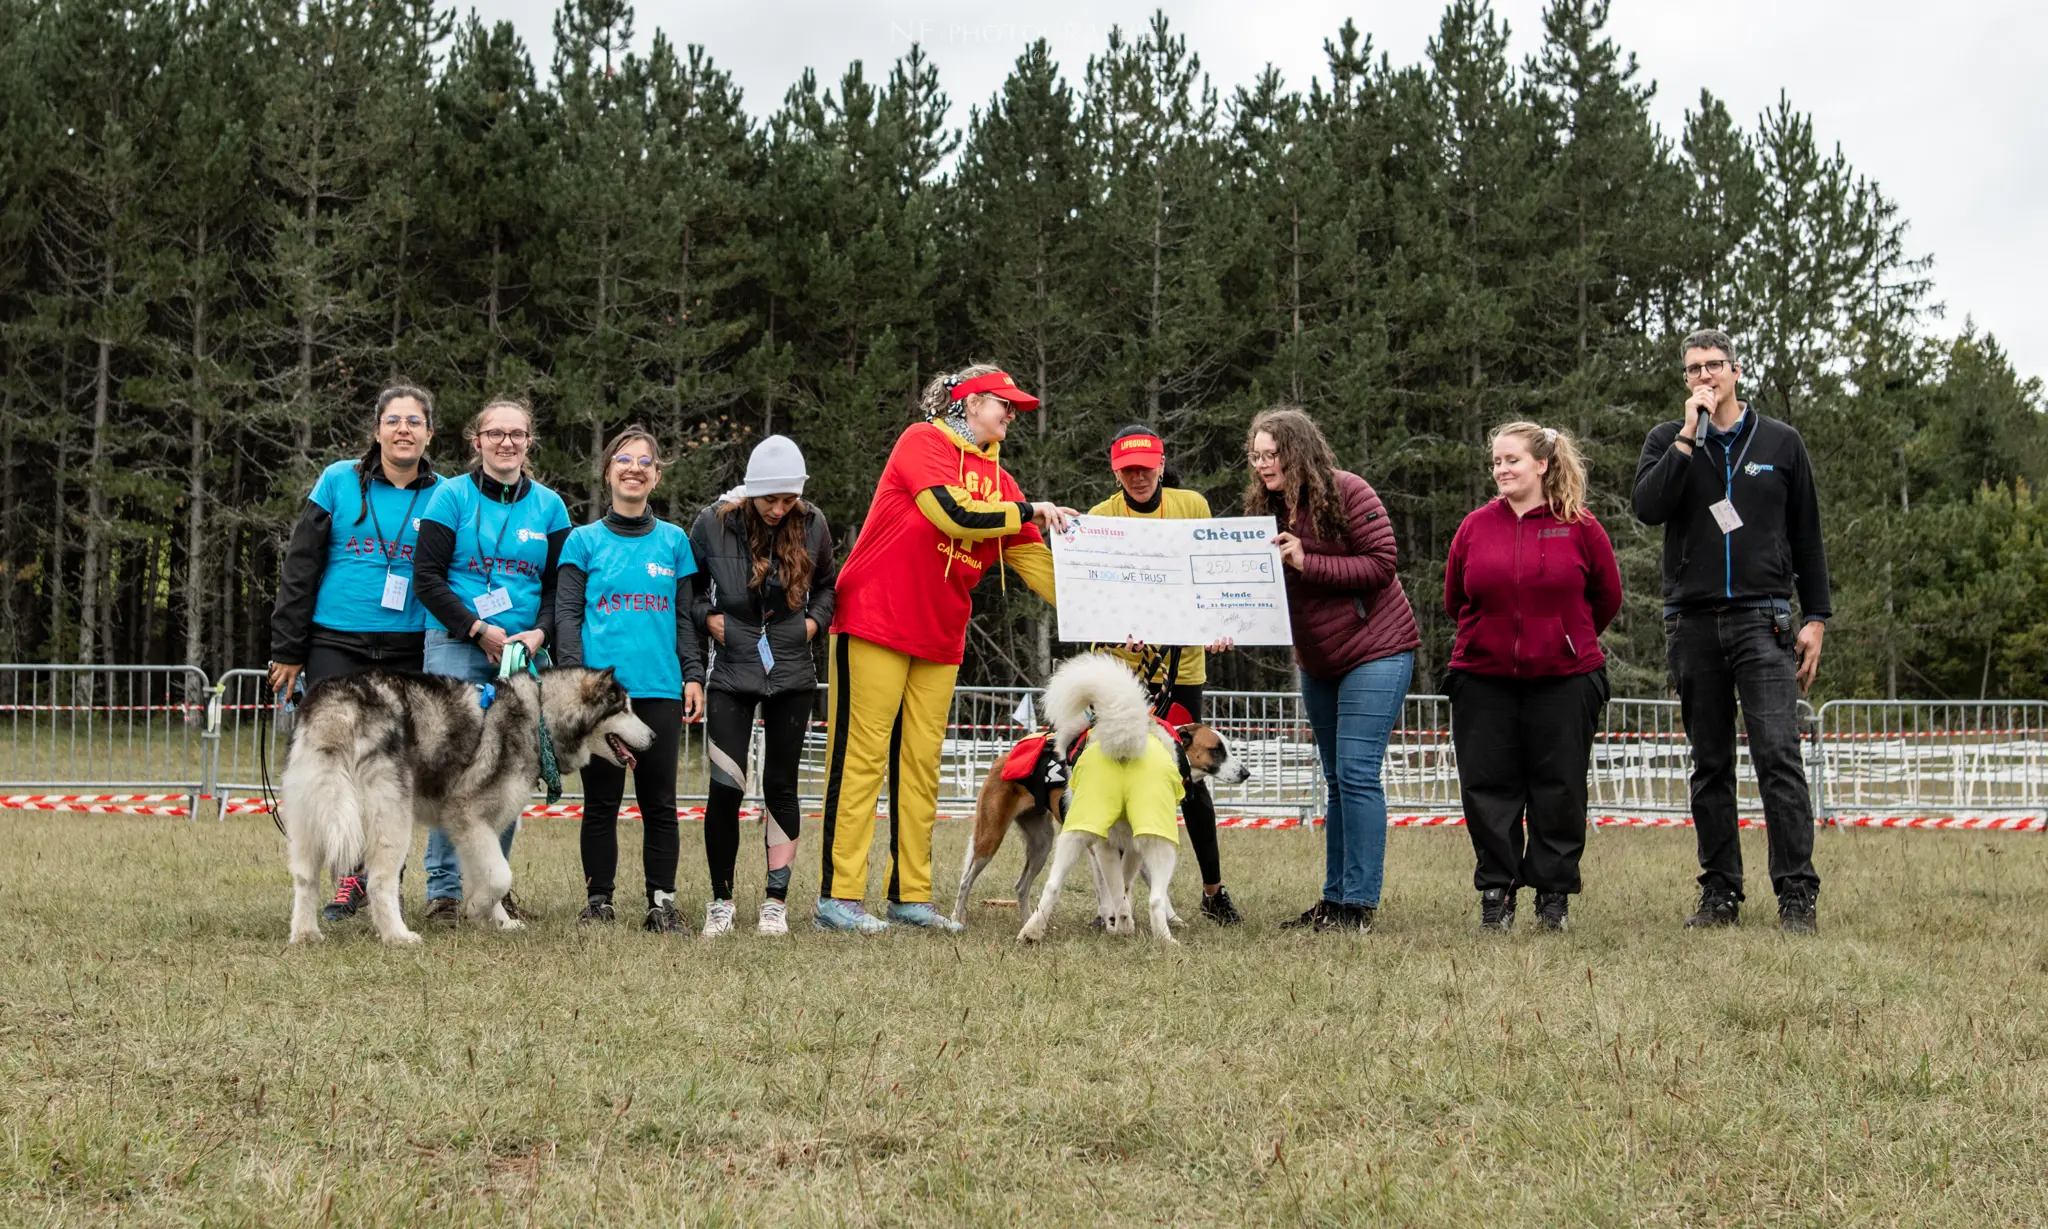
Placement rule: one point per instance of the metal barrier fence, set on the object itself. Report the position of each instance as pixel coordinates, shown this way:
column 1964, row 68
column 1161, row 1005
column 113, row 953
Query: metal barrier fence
column 91, row 730
column 1919, row 757
column 94, row 729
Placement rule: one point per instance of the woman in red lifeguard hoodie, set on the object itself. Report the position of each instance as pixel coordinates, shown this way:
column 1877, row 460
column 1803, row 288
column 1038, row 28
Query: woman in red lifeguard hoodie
column 945, row 514
column 1532, row 583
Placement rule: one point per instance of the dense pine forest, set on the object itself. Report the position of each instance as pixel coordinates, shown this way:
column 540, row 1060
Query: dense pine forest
column 225, row 223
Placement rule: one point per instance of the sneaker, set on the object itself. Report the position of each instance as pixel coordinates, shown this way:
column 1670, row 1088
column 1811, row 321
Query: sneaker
column 922, row 915
column 1311, row 918
column 443, row 910
column 348, row 897
column 1718, row 907
column 598, row 910
column 1354, row 919
column 832, row 913
column 1553, row 911
column 774, row 918
column 1220, row 910
column 1799, row 912
column 514, row 910
column 663, row 919
column 717, row 919
column 1497, row 910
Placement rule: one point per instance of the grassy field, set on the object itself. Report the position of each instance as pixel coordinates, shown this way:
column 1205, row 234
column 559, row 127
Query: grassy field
column 166, row 1060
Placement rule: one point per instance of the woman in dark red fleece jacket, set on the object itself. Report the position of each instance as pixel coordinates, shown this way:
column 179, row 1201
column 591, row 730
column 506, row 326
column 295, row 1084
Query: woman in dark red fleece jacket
column 1354, row 638
column 1532, row 583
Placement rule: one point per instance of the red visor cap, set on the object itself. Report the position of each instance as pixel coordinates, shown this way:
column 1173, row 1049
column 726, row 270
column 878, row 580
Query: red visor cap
column 1137, row 451
column 995, row 384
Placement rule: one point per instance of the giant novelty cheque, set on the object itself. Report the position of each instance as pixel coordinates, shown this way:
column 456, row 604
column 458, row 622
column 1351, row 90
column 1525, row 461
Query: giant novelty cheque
column 1170, row 582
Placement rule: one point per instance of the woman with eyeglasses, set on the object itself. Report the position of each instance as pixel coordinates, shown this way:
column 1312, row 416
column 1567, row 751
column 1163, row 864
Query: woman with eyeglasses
column 768, row 591
column 489, row 545
column 346, row 601
column 623, row 601
column 1354, row 639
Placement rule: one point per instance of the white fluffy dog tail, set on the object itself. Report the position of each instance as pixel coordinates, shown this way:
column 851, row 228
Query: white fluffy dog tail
column 1099, row 683
column 321, row 807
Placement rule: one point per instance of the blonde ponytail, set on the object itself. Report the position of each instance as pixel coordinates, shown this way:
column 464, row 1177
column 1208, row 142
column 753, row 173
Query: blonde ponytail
column 1564, row 483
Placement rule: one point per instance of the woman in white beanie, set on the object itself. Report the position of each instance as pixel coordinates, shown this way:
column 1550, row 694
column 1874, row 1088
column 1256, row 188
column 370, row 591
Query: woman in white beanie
column 767, row 591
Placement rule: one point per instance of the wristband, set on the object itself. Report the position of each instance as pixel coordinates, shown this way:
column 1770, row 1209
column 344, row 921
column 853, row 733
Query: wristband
column 1687, row 440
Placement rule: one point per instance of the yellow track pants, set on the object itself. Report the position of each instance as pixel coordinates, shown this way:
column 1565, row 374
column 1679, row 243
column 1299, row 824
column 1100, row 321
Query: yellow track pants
column 886, row 716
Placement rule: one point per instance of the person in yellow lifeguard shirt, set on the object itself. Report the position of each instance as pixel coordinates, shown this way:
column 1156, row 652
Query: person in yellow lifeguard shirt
column 1150, row 488
column 945, row 513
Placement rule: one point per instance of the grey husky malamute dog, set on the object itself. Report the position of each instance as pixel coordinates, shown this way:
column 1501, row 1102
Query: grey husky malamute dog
column 372, row 753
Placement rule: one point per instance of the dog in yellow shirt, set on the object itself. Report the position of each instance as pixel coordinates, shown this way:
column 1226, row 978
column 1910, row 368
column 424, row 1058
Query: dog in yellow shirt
column 1125, row 791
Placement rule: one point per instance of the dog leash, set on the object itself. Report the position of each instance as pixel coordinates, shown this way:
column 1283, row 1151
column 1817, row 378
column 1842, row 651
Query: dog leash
column 511, row 663
column 265, row 698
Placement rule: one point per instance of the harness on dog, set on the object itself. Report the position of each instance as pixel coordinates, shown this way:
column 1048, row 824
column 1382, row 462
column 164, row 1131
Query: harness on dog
column 1036, row 763
column 510, row 664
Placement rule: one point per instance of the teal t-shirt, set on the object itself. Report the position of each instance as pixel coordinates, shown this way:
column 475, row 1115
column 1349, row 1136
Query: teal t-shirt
column 630, row 608
column 366, row 545
column 498, row 545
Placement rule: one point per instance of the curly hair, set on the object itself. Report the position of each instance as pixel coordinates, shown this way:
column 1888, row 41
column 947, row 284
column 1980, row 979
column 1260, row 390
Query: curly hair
column 1309, row 467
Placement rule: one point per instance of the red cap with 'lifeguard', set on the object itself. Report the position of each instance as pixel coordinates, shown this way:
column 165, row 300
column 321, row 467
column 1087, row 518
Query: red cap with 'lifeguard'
column 995, row 384
column 1137, row 451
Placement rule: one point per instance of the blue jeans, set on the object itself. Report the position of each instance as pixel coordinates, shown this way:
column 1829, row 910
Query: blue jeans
column 1353, row 716
column 444, row 654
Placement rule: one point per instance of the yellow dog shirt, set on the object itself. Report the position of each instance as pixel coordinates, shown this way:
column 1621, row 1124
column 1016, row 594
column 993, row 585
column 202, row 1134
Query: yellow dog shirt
column 1145, row 791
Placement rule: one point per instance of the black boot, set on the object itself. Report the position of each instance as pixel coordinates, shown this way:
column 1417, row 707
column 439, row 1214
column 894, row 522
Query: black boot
column 1799, row 912
column 1497, row 909
column 1553, row 911
column 1718, row 907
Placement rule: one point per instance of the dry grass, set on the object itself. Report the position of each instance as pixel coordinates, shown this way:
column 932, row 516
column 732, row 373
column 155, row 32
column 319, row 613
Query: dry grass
column 166, row 1060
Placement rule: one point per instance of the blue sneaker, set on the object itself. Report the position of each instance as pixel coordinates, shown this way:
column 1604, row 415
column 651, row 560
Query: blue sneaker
column 835, row 914
column 919, row 913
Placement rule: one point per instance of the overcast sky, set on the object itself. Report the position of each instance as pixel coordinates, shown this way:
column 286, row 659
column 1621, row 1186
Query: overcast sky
column 1945, row 105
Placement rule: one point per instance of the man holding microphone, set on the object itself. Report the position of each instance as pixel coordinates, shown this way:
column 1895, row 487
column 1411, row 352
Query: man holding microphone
column 1735, row 493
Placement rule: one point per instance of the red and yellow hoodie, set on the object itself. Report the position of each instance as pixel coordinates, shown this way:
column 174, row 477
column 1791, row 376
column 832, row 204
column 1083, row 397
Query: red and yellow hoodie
column 944, row 513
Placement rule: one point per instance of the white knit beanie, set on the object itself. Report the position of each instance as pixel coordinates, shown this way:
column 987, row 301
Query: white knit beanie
column 776, row 468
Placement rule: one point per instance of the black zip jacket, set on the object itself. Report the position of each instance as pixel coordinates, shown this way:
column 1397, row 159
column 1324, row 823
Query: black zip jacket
column 1765, row 471
column 292, row 630
column 435, row 551
column 725, row 565
column 572, row 582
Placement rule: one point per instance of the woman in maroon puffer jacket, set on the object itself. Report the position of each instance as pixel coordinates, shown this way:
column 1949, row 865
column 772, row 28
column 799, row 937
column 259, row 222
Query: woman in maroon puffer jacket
column 1354, row 639
column 1532, row 582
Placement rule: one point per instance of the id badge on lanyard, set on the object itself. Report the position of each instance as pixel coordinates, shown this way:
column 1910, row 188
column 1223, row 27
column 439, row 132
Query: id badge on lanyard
column 496, row 599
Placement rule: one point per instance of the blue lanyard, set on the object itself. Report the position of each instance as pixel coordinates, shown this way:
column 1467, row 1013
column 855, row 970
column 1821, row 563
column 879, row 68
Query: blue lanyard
column 370, row 498
column 491, row 563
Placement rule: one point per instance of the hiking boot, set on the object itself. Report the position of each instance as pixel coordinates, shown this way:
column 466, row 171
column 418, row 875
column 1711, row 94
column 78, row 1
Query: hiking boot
column 1553, row 911
column 1497, row 910
column 663, row 919
column 717, row 919
column 348, row 897
column 514, row 911
column 598, row 910
column 1718, row 907
column 1311, row 918
column 1353, row 919
column 1799, row 912
column 1220, row 910
column 921, row 914
column 832, row 913
column 774, row 918
column 443, row 910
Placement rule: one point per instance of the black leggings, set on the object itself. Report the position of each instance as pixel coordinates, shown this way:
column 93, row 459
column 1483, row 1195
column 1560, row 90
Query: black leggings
column 729, row 724
column 328, row 661
column 654, row 786
column 1198, row 808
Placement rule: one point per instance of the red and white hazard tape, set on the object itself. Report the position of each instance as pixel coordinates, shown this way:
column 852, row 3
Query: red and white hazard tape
column 179, row 805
